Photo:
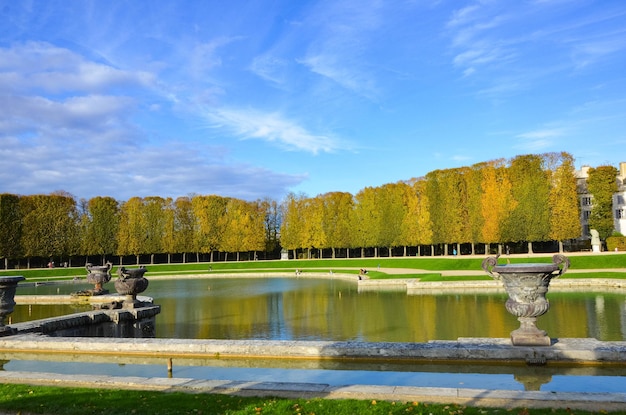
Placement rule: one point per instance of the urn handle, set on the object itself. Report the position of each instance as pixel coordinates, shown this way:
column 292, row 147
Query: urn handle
column 563, row 262
column 488, row 264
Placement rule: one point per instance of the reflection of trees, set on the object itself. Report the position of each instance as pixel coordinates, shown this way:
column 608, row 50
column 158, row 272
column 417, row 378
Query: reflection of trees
column 307, row 309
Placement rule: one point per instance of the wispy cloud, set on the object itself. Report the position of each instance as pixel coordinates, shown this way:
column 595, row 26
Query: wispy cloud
column 272, row 127
column 538, row 140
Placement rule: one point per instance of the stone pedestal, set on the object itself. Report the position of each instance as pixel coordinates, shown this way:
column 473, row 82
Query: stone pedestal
column 527, row 285
column 8, row 285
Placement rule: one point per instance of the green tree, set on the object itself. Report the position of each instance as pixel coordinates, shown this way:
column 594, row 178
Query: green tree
column 184, row 224
column 50, row 225
column 530, row 219
column 272, row 219
column 393, row 209
column 10, row 227
column 100, row 227
column 602, row 184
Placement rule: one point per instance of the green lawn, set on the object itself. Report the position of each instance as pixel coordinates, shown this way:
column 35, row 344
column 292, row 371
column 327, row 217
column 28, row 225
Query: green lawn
column 24, row 399
column 421, row 265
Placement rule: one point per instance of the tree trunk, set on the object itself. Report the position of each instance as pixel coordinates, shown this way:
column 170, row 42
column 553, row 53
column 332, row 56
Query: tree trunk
column 560, row 247
column 530, row 248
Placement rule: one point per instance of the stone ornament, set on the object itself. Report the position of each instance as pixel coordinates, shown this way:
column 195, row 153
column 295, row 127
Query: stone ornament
column 131, row 282
column 8, row 285
column 99, row 275
column 526, row 285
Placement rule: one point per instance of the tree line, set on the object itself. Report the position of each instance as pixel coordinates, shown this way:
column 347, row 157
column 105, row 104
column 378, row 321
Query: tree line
column 530, row 198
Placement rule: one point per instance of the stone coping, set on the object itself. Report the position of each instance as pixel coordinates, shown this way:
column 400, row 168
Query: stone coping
column 498, row 350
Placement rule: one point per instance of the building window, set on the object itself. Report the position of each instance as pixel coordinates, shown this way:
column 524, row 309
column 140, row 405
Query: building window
column 586, row 200
column 619, row 214
column 586, row 214
column 620, row 199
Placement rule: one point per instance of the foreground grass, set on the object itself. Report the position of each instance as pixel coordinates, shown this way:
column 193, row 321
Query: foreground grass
column 80, row 401
column 421, row 265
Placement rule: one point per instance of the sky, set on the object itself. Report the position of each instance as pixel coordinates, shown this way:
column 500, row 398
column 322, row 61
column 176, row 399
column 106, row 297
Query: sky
column 259, row 98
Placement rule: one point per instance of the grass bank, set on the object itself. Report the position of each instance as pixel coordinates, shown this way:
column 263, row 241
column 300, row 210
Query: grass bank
column 25, row 399
column 424, row 267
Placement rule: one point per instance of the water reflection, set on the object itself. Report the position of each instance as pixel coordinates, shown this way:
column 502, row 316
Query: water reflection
column 323, row 309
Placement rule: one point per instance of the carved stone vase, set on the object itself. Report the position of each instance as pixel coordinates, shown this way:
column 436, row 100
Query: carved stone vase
column 99, row 275
column 8, row 285
column 527, row 285
column 131, row 282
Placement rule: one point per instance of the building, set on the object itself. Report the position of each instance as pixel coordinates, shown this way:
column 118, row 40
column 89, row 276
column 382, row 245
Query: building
column 586, row 200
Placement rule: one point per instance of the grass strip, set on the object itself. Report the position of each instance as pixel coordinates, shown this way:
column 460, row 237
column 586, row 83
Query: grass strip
column 81, row 401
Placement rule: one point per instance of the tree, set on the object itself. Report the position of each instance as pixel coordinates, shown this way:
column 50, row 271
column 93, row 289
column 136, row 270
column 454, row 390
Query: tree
column 336, row 219
column 10, row 227
column 366, row 220
column 100, row 227
column 602, row 184
column 292, row 226
column 50, row 225
column 564, row 207
column 155, row 220
column 416, row 229
column 131, row 233
column 209, row 229
column 184, row 223
column 272, row 220
column 496, row 201
column 530, row 219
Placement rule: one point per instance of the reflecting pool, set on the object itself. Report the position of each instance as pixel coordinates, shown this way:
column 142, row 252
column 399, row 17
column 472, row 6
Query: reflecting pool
column 332, row 309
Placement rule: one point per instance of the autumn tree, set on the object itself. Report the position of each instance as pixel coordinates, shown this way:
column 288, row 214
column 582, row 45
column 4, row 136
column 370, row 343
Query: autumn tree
column 602, row 184
column 496, row 201
column 131, row 235
column 366, row 220
column 209, row 230
column 564, row 207
column 154, row 216
column 337, row 207
column 312, row 235
column 416, row 228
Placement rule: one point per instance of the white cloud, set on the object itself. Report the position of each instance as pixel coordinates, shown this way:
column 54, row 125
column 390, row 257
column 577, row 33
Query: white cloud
column 39, row 66
column 271, row 127
column 538, row 140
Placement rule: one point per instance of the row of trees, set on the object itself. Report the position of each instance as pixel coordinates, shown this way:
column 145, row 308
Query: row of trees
column 530, row 198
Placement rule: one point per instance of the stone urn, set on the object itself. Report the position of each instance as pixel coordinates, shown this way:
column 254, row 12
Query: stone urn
column 8, row 285
column 131, row 282
column 98, row 275
column 527, row 285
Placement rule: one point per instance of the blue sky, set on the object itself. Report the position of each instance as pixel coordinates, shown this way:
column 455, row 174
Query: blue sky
column 254, row 99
